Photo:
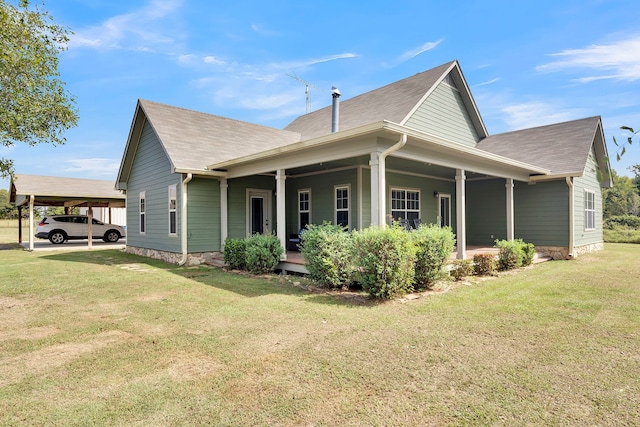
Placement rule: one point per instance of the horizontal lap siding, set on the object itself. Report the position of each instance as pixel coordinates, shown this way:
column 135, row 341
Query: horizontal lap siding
column 589, row 181
column 542, row 213
column 486, row 211
column 203, row 212
column 444, row 114
column 429, row 209
column 366, row 198
column 151, row 173
column 322, row 197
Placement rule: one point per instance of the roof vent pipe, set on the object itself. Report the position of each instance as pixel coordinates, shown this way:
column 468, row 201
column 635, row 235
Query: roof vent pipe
column 335, row 109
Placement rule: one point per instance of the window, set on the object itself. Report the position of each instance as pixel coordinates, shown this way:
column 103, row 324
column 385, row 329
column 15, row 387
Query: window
column 173, row 227
column 342, row 205
column 304, row 208
column 143, row 210
column 589, row 210
column 405, row 204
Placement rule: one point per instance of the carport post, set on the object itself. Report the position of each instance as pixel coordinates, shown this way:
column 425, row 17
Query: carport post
column 19, row 224
column 90, row 226
column 31, row 201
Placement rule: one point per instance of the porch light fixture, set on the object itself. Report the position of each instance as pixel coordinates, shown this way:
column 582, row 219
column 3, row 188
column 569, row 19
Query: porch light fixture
column 436, row 194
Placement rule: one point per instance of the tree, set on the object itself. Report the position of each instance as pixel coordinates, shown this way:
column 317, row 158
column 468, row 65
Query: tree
column 622, row 147
column 34, row 105
column 622, row 198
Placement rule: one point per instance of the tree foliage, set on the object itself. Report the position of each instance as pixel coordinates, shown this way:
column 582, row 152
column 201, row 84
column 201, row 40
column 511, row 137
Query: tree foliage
column 34, row 105
column 621, row 199
column 622, row 146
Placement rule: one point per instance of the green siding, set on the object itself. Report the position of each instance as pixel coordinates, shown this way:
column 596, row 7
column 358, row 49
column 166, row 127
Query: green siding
column 444, row 114
column 322, row 197
column 486, row 211
column 151, row 173
column 203, row 215
column 542, row 213
column 366, row 197
column 589, row 181
column 429, row 209
column 237, row 202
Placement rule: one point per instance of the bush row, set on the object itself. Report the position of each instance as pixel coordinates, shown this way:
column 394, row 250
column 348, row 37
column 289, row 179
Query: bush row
column 511, row 254
column 622, row 221
column 257, row 254
column 387, row 262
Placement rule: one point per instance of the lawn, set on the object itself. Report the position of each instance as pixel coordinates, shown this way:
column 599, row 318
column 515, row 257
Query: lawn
column 9, row 230
column 107, row 338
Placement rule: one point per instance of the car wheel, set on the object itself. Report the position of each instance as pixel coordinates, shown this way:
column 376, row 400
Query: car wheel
column 57, row 237
column 111, row 236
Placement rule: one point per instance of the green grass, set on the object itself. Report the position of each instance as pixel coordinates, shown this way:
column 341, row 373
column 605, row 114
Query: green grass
column 9, row 230
column 108, row 338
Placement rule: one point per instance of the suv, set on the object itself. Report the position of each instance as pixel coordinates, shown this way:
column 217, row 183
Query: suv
column 60, row 228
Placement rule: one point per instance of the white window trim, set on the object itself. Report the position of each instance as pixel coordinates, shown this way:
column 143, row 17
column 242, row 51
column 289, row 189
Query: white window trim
column 175, row 209
column 589, row 211
column 440, row 197
column 142, row 214
column 405, row 189
column 303, row 190
column 335, row 204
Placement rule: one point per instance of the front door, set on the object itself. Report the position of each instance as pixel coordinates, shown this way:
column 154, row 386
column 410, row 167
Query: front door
column 444, row 207
column 259, row 212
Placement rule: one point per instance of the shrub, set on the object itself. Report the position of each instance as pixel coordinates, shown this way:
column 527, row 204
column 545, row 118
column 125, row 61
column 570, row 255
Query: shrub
column 385, row 258
column 263, row 253
column 433, row 247
column 326, row 249
column 484, row 264
column 514, row 254
column 235, row 253
column 461, row 268
column 622, row 221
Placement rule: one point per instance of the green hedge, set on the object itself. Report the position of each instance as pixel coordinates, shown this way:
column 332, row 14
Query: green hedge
column 263, row 253
column 327, row 250
column 624, row 221
column 433, row 248
column 514, row 253
column 235, row 253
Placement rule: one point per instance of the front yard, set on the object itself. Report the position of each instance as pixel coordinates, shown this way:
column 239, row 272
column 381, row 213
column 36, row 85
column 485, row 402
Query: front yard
column 104, row 337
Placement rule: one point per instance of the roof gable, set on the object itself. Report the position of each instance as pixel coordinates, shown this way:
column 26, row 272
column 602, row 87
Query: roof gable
column 563, row 148
column 394, row 103
column 192, row 140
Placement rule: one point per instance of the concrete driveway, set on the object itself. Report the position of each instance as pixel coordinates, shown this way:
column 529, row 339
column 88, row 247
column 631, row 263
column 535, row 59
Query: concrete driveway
column 74, row 245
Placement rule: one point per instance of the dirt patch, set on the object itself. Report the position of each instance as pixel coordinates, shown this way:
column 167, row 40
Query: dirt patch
column 14, row 369
column 29, row 333
column 9, row 246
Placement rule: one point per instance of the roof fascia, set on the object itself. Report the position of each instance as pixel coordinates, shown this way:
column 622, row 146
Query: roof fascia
column 130, row 149
column 602, row 155
column 554, row 177
column 214, row 173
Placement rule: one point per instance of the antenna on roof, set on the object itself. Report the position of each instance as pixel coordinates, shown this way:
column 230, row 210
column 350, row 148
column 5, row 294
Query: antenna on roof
column 306, row 90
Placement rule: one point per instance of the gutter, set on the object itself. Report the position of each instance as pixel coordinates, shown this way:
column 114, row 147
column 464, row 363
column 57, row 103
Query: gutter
column 382, row 172
column 183, row 219
column 571, row 217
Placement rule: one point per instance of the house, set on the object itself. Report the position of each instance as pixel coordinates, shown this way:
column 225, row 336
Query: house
column 415, row 149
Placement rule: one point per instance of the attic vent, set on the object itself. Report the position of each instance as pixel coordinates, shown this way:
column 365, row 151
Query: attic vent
column 449, row 80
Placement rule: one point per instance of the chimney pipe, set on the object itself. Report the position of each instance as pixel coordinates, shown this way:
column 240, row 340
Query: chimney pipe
column 335, row 110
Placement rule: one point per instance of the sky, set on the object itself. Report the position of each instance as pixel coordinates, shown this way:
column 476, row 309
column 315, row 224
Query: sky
column 527, row 63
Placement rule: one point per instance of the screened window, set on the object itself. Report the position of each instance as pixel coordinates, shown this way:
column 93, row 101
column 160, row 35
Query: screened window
column 143, row 212
column 173, row 226
column 405, row 204
column 342, row 205
column 304, row 208
column 589, row 210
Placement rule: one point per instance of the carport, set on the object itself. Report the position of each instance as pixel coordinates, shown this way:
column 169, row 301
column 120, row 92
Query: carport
column 34, row 190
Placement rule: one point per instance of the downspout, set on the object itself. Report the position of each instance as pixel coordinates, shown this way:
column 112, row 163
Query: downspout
column 571, row 216
column 382, row 182
column 183, row 219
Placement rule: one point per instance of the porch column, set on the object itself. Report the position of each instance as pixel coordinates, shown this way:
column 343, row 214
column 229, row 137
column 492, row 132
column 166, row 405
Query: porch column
column 375, row 203
column 224, row 212
column 461, row 214
column 510, row 221
column 19, row 224
column 31, row 202
column 281, row 211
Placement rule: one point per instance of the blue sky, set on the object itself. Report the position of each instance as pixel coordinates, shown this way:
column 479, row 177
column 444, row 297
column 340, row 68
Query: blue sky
column 527, row 63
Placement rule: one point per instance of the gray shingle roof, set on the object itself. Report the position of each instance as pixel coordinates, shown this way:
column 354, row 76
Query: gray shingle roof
column 391, row 102
column 64, row 187
column 193, row 139
column 562, row 148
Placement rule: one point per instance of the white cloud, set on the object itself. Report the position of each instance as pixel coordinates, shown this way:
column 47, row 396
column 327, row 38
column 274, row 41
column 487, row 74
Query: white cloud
column 259, row 29
column 619, row 60
column 137, row 30
column 536, row 113
column 419, row 50
column 487, row 82
column 287, row 65
column 210, row 59
column 93, row 166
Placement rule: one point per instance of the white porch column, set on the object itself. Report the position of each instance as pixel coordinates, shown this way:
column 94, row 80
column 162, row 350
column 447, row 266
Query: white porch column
column 281, row 211
column 224, row 212
column 510, row 216
column 375, row 203
column 461, row 214
column 31, row 202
